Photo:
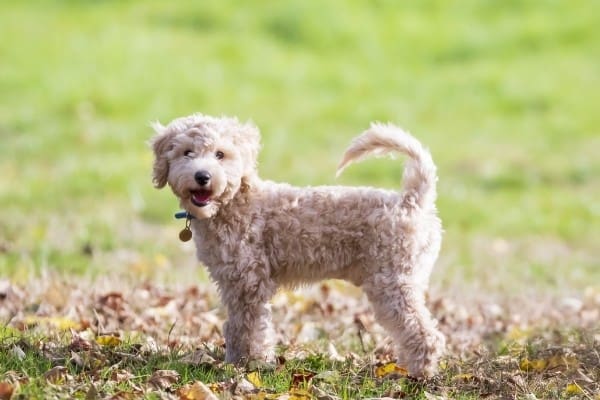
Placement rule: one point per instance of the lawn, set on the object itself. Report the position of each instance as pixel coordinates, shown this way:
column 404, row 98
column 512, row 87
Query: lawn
column 504, row 94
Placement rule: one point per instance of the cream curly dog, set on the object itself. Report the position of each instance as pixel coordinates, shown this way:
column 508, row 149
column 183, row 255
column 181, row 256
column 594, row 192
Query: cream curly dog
column 255, row 235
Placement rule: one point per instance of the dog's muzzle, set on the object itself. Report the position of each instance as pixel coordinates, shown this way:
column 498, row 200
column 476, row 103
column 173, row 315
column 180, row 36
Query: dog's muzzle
column 200, row 197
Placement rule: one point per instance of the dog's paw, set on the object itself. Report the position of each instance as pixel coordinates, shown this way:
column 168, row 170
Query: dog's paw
column 426, row 358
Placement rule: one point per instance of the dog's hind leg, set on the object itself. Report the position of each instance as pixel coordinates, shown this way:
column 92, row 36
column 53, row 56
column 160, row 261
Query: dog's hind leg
column 400, row 308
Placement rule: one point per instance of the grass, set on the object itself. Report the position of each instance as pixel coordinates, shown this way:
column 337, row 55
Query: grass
column 547, row 368
column 504, row 95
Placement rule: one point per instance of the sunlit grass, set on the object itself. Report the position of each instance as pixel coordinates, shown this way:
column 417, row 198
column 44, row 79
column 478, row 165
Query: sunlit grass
column 503, row 95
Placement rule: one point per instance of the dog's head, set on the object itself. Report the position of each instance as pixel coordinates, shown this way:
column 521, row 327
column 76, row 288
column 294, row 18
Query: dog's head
column 205, row 160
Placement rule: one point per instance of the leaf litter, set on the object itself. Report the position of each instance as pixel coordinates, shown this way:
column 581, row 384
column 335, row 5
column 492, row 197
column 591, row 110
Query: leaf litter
column 100, row 339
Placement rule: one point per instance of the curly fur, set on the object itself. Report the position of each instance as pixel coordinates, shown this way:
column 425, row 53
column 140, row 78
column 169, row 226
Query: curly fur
column 255, row 235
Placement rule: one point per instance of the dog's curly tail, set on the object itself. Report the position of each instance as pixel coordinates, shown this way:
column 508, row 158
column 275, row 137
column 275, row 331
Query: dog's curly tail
column 419, row 179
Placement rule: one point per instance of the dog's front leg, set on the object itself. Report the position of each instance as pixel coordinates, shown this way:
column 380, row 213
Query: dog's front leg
column 249, row 334
column 248, row 331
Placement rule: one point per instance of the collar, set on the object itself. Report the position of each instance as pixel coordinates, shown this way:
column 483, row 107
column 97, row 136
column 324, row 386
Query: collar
column 183, row 214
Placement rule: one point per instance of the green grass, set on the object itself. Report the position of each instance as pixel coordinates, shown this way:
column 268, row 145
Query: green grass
column 558, row 364
column 504, row 94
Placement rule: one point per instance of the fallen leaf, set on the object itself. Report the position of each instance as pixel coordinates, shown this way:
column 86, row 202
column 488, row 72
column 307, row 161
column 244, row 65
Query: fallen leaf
column 112, row 300
column 122, row 395
column 60, row 323
column 78, row 343
column 320, row 394
column 299, row 394
column 196, row 391
column 300, row 378
column 244, row 386
column 463, row 377
column 388, row 369
column 163, row 379
column 536, row 365
column 57, row 375
column 554, row 362
column 254, row 379
column 573, row 389
column 333, row 353
column 6, row 390
column 121, row 375
column 92, row 393
column 108, row 340
column 77, row 360
column 198, row 357
column 560, row 361
column 16, row 378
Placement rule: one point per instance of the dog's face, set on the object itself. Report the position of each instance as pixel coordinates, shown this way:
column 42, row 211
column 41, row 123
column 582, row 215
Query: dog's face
column 205, row 160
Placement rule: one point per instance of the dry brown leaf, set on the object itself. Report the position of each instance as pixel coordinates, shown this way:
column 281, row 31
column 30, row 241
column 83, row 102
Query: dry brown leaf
column 301, row 378
column 333, row 353
column 58, row 375
column 320, row 394
column 6, row 390
column 163, row 379
column 78, row 343
column 198, row 357
column 244, row 386
column 92, row 393
column 125, row 396
column 112, row 300
column 16, row 378
column 77, row 360
column 121, row 375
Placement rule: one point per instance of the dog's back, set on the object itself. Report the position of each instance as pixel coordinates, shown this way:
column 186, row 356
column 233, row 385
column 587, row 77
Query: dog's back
column 344, row 232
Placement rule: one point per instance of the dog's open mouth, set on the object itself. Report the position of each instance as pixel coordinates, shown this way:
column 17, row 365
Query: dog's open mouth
column 200, row 197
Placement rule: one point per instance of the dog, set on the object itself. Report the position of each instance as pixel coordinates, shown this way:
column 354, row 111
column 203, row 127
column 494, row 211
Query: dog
column 256, row 235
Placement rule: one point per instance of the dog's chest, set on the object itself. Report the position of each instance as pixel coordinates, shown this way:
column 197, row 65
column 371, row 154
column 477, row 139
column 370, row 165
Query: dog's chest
column 220, row 244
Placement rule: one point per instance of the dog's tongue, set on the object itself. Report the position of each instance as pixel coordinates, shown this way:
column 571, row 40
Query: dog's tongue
column 201, row 196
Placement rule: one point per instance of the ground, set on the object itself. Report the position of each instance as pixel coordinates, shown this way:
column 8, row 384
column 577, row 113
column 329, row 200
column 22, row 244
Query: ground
column 97, row 291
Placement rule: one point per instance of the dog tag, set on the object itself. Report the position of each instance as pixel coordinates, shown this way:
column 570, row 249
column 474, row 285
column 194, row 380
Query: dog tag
column 185, row 235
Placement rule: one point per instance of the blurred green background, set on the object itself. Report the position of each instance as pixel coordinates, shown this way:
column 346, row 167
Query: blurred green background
column 504, row 93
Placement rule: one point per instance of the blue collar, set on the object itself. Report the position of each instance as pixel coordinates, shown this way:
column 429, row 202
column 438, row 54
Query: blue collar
column 184, row 214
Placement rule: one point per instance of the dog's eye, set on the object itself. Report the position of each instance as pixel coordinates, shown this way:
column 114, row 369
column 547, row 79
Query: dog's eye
column 188, row 153
column 220, row 155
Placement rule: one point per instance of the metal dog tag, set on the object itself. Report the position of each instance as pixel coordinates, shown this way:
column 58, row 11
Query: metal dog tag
column 185, row 235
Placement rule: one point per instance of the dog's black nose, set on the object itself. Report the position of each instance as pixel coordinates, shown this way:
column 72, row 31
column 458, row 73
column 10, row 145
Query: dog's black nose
column 202, row 177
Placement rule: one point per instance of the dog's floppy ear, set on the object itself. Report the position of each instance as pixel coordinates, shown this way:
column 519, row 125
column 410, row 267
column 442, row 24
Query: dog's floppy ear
column 161, row 143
